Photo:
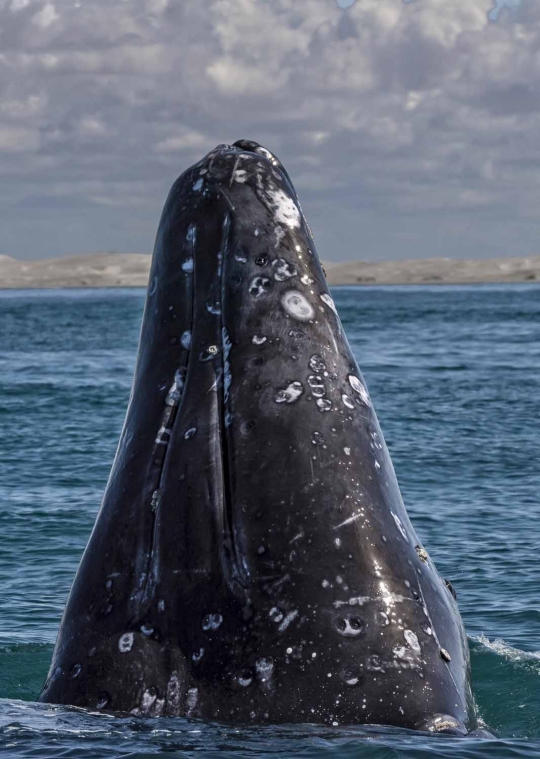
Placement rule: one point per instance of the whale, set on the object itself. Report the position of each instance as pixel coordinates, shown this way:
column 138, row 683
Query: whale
column 252, row 560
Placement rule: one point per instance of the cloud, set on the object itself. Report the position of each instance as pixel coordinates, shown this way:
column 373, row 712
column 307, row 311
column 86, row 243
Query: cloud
column 408, row 128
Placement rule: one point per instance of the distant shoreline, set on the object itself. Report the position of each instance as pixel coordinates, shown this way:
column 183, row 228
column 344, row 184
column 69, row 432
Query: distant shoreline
column 114, row 270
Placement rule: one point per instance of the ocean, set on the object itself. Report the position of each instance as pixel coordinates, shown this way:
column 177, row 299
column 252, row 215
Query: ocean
column 454, row 373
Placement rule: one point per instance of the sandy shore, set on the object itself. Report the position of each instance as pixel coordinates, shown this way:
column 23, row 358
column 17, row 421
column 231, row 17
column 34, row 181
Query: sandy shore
column 131, row 270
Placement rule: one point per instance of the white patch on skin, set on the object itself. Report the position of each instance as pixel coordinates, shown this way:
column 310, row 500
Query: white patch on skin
column 190, row 433
column 288, row 619
column 240, row 175
column 359, row 388
column 264, row 668
column 347, row 451
column 212, row 622
column 125, row 644
column 355, row 601
column 354, row 517
column 283, row 270
column 227, row 375
column 305, row 280
column 399, row 524
column 290, row 394
column 297, row 306
column 412, row 640
column 286, row 211
column 347, row 401
column 256, row 340
column 185, row 340
column 187, row 266
column 198, row 185
column 276, row 615
column 349, row 631
column 329, row 302
column 198, row 656
column 192, row 698
column 175, row 391
column 191, row 235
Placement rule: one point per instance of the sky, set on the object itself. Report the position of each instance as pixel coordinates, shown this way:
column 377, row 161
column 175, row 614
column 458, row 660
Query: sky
column 410, row 128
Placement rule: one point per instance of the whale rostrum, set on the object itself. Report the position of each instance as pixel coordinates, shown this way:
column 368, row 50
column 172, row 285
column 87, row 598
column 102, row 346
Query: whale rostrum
column 252, row 560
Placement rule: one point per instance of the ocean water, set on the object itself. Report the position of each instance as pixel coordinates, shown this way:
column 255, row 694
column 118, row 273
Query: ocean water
column 454, row 373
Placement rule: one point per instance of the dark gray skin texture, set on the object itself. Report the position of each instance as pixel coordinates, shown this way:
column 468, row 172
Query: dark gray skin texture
column 252, row 560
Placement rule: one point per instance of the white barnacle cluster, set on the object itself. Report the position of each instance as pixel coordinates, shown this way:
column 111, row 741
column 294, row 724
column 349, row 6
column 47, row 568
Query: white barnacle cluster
column 285, row 209
column 289, row 394
column 125, row 644
column 283, row 270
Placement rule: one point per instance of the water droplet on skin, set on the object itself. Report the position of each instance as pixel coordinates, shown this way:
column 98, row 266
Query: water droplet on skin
column 288, row 651
column 305, row 280
column 324, row 404
column 283, row 270
column 212, row 621
column 316, row 364
column 190, row 433
column 290, row 394
column 259, row 286
column 75, row 671
column 147, row 630
column 261, row 260
column 196, row 657
column 297, row 306
column 317, row 438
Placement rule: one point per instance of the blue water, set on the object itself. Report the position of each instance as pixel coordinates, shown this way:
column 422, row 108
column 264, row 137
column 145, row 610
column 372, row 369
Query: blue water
column 454, row 373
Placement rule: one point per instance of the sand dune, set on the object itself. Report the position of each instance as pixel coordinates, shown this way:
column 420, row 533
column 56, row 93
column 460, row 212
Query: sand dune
column 131, row 270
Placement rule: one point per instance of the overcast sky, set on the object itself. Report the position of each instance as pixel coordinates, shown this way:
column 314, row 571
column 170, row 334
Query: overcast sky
column 410, row 129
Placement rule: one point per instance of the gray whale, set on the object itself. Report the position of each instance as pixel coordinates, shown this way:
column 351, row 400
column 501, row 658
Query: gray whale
column 252, row 560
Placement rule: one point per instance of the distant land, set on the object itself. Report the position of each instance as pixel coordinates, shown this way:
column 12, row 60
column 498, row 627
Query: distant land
column 132, row 269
